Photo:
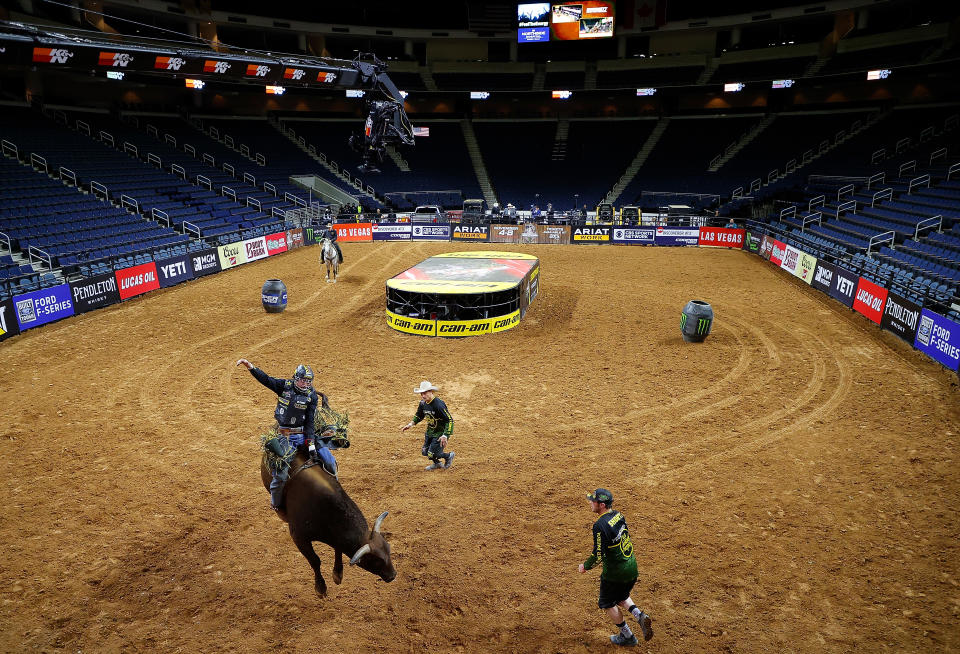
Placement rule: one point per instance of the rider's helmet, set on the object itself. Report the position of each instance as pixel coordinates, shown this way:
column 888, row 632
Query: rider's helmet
column 303, row 377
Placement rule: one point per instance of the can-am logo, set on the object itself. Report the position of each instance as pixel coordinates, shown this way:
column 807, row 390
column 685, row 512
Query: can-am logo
column 168, row 63
column 219, row 67
column 253, row 70
column 51, row 55
column 114, row 59
column 293, row 73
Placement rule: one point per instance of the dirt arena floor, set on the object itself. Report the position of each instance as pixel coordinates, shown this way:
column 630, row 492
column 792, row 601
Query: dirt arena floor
column 791, row 485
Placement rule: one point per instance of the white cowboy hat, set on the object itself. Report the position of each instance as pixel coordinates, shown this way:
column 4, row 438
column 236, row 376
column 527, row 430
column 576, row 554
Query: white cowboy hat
column 424, row 387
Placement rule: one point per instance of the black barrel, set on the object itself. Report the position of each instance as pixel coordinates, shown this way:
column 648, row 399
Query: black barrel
column 696, row 321
column 274, row 296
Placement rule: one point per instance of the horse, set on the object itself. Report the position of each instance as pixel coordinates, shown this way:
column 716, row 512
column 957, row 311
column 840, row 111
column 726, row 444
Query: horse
column 329, row 256
column 317, row 508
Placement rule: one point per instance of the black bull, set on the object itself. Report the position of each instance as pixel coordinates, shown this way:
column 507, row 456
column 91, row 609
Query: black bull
column 318, row 509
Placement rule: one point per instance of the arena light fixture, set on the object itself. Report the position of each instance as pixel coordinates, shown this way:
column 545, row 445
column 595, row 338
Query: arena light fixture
column 479, row 95
column 882, row 73
column 733, row 87
column 561, row 95
column 194, row 84
column 642, row 92
column 275, row 90
column 782, row 83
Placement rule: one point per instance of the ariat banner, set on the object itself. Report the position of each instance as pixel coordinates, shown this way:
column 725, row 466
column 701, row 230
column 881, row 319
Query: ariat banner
column 844, row 285
column 295, row 238
column 677, row 236
column 276, row 243
column 205, row 262
column 823, row 276
column 430, row 233
column 40, row 307
column 777, row 252
column 901, row 317
column 174, row 270
column 751, row 241
column 869, row 299
column 350, row 232
column 411, row 325
column 231, row 255
column 633, row 235
column 721, row 237
column 255, row 248
column 939, row 338
column 94, row 292
column 8, row 320
column 137, row 280
column 508, row 233
column 806, row 264
column 590, row 234
column 766, row 247
column 475, row 233
column 392, row 232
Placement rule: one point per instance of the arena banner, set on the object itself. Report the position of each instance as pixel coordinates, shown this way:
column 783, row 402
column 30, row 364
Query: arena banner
column 590, row 234
column 823, row 276
column 309, row 237
column 777, row 252
column 351, row 232
column 40, row 307
column 205, row 262
column 508, row 233
column 8, row 321
column 255, row 248
column 174, row 270
column 276, row 243
column 791, row 257
column 547, row 234
column 392, row 232
column 231, row 255
column 721, row 237
column 294, row 238
column 806, row 264
column 503, row 323
column 633, row 235
column 939, row 338
column 475, row 233
column 411, row 325
column 137, row 280
column 430, row 233
column 94, row 293
column 869, row 299
column 455, row 328
column 751, row 241
column 901, row 317
column 766, row 247
column 677, row 236
column 844, row 285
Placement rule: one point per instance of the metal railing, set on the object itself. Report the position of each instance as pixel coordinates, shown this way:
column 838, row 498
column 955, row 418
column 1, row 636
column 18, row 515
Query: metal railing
column 916, row 182
column 201, row 180
column 772, row 175
column 926, row 134
column 208, row 159
column 839, row 137
column 169, row 138
column 300, row 202
column 261, row 160
column 227, row 168
column 153, row 131
column 824, row 146
column 253, row 202
column 228, row 141
column 940, row 153
column 97, row 187
column 791, row 166
column 885, row 194
column 36, row 161
column 178, row 170
column 244, row 150
column 10, row 149
column 812, row 218
column 106, row 137
column 193, row 229
column 250, row 179
column 846, row 206
column 67, row 175
column 876, row 178
column 160, row 216
column 907, row 167
column 952, row 169
column 903, row 144
column 817, row 201
column 228, row 192
column 883, row 237
column 5, row 238
column 846, row 189
column 929, row 223
column 270, row 188
column 755, row 185
column 737, row 192
column 129, row 148
column 36, row 253
column 189, row 149
column 214, row 132
column 878, row 156
column 130, row 203
column 83, row 127
column 155, row 160
column 788, row 212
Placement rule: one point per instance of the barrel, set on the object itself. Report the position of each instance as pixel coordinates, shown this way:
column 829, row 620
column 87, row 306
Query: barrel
column 696, row 321
column 274, row 296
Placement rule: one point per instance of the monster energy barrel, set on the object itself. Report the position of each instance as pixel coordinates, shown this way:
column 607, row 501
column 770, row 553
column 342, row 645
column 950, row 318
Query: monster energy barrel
column 696, row 321
column 274, row 296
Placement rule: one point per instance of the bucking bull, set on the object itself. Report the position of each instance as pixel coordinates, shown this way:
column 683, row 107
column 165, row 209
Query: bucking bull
column 318, row 509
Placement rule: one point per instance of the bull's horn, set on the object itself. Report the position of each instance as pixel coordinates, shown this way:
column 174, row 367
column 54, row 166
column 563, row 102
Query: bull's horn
column 376, row 525
column 359, row 555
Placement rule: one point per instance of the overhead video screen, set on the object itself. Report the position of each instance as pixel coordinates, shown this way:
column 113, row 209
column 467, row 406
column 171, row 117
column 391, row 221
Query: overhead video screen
column 565, row 21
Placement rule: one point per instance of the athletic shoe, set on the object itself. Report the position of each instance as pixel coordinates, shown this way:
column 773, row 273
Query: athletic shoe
column 620, row 639
column 645, row 626
column 434, row 466
column 449, row 461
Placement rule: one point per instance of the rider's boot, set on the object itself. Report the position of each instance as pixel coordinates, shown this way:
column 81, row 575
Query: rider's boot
column 339, row 251
column 329, row 463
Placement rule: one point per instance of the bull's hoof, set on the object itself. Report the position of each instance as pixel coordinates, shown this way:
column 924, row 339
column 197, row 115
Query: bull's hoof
column 337, row 576
column 321, row 588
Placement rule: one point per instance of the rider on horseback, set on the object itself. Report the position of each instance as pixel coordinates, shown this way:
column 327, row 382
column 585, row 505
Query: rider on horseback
column 295, row 414
column 330, row 233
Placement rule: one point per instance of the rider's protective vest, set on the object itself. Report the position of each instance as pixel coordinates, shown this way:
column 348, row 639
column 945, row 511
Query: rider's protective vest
column 293, row 405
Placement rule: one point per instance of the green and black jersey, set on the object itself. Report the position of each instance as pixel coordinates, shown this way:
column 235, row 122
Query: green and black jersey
column 438, row 418
column 612, row 545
